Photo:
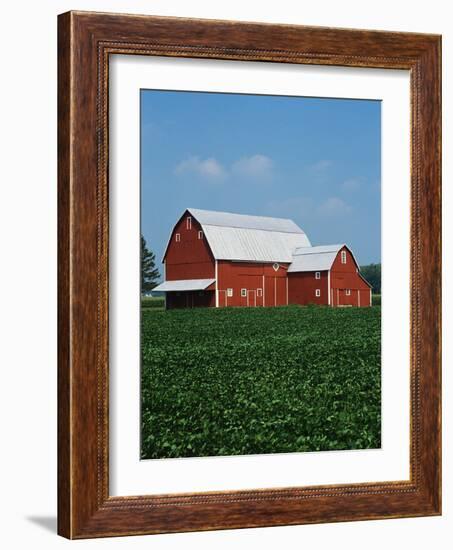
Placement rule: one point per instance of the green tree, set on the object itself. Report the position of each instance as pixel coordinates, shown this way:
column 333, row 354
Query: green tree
column 149, row 273
column 372, row 274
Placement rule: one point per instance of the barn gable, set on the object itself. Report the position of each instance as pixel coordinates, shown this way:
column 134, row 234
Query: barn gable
column 188, row 255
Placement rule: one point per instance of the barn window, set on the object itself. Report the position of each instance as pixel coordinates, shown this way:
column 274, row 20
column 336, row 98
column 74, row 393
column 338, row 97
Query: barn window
column 229, row 292
column 348, row 292
column 200, row 234
column 317, row 275
column 318, row 292
column 343, row 256
column 276, row 266
column 259, row 292
column 244, row 292
column 189, row 222
column 178, row 237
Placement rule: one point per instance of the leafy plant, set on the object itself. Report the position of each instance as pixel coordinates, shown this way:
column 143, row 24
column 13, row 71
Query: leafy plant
column 265, row 380
column 153, row 302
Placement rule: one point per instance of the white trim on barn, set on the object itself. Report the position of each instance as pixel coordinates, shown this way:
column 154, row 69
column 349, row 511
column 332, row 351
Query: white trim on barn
column 216, row 285
column 224, row 295
column 165, row 278
column 328, row 288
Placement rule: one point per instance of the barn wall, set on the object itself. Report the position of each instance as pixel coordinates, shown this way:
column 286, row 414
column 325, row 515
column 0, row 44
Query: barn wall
column 191, row 257
column 339, row 297
column 365, row 297
column 264, row 285
column 345, row 277
column 302, row 288
column 357, row 298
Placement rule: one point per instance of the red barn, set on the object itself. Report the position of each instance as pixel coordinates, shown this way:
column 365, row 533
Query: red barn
column 219, row 259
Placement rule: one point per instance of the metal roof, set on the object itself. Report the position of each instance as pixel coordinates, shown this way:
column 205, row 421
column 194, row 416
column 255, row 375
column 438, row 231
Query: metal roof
column 233, row 243
column 228, row 219
column 250, row 238
column 304, row 250
column 186, row 284
column 314, row 258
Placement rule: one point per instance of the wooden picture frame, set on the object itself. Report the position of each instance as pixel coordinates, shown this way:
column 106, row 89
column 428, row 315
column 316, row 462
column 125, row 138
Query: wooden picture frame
column 85, row 41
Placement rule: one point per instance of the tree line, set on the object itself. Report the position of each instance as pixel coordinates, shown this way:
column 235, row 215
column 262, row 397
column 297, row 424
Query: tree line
column 372, row 274
column 149, row 273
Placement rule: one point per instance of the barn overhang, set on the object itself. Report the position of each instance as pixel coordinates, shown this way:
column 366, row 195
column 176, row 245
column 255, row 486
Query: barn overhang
column 184, row 285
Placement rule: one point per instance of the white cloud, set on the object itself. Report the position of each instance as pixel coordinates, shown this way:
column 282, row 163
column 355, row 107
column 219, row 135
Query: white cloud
column 321, row 165
column 334, row 206
column 352, row 184
column 209, row 168
column 254, row 168
column 257, row 167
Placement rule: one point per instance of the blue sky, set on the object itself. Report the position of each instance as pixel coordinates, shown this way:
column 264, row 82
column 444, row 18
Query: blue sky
column 316, row 161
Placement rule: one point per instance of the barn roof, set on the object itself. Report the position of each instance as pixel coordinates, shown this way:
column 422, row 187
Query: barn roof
column 186, row 284
column 250, row 238
column 242, row 221
column 314, row 258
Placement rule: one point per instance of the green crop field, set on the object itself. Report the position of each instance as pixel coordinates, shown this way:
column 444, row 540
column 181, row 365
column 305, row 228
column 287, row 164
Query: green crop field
column 267, row 380
column 153, row 302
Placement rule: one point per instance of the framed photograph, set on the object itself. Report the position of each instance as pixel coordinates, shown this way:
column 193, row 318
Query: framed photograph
column 249, row 275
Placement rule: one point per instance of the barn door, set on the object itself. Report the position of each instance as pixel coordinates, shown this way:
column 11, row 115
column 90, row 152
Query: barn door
column 222, row 298
column 251, row 298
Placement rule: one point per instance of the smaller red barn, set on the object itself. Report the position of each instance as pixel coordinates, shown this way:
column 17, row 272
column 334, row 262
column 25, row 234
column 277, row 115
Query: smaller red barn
column 327, row 275
column 220, row 259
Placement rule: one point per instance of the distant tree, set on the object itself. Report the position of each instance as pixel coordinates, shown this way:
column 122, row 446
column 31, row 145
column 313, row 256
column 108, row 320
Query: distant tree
column 372, row 274
column 149, row 273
